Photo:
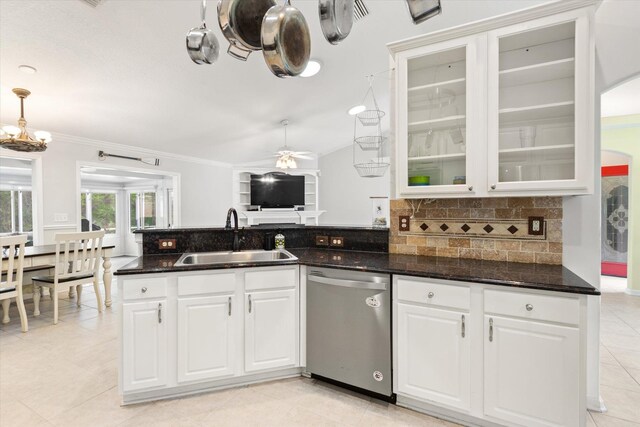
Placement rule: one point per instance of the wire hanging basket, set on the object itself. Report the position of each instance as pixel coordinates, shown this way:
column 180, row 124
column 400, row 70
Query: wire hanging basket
column 369, row 143
column 370, row 117
column 372, row 169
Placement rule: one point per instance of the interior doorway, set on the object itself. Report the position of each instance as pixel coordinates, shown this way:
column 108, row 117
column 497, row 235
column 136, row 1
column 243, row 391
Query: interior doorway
column 122, row 200
column 615, row 213
column 620, row 182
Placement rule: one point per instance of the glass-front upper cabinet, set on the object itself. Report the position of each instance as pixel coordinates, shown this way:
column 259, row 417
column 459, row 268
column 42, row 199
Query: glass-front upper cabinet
column 435, row 87
column 539, row 100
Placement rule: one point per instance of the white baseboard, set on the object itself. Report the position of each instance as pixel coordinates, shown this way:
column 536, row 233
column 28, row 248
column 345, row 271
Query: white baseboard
column 632, row 292
column 596, row 404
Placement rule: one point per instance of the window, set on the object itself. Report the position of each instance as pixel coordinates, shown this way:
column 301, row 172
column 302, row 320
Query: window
column 98, row 211
column 142, row 210
column 16, row 211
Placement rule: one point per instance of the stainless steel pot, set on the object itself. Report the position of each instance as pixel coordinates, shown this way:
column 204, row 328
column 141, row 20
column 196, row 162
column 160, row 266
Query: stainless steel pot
column 336, row 19
column 241, row 23
column 202, row 44
column 286, row 42
column 421, row 10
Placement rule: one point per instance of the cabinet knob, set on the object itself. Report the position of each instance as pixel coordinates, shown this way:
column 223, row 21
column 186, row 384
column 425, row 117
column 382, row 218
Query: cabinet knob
column 144, row 289
column 471, row 188
column 493, row 186
column 529, row 307
column 430, row 295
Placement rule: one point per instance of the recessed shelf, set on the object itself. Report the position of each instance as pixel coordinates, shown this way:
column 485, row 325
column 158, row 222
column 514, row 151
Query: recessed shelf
column 442, row 123
column 437, row 157
column 536, row 112
column 535, row 73
column 244, row 193
column 244, row 182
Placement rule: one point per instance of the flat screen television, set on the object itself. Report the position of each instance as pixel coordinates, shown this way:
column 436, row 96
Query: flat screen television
column 277, row 190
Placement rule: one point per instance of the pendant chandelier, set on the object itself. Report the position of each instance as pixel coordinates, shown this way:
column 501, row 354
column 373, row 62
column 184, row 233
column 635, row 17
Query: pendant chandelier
column 17, row 138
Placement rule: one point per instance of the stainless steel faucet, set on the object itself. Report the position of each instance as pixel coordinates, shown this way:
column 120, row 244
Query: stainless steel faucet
column 237, row 241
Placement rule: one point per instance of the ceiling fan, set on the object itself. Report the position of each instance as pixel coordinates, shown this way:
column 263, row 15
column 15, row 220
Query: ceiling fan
column 286, row 158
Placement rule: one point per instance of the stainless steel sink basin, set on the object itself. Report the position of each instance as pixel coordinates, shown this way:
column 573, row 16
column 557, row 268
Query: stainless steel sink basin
column 243, row 257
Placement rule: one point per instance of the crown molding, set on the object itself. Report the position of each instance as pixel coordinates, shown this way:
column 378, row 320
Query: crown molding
column 105, row 145
column 490, row 23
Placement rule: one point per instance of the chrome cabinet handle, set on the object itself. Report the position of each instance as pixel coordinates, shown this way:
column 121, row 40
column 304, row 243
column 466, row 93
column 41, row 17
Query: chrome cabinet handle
column 159, row 312
column 463, row 327
column 430, row 295
column 493, row 186
column 529, row 307
column 229, row 306
column 249, row 303
column 471, row 188
column 144, row 289
column 490, row 330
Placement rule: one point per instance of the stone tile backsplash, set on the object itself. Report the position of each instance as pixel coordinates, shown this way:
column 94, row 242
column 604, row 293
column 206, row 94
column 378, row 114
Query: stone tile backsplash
column 488, row 228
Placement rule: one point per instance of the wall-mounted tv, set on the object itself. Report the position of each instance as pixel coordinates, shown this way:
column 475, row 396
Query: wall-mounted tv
column 277, row 190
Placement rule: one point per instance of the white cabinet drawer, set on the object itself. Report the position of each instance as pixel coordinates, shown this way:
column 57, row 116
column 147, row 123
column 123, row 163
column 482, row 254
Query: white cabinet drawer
column 207, row 284
column 438, row 294
column 533, row 306
column 152, row 287
column 270, row 279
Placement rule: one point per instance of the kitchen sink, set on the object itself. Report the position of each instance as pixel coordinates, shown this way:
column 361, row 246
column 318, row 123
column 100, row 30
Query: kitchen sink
column 243, row 257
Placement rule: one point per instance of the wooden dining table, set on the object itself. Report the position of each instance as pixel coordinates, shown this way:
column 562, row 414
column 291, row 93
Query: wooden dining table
column 45, row 255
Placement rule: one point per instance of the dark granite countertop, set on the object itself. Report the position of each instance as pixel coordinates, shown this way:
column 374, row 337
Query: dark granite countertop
column 260, row 227
column 531, row 276
column 164, row 263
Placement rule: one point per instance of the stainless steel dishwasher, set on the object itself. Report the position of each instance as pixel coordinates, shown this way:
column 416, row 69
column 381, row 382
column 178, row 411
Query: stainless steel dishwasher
column 349, row 329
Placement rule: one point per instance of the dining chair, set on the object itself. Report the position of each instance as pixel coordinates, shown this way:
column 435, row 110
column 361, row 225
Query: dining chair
column 77, row 262
column 12, row 269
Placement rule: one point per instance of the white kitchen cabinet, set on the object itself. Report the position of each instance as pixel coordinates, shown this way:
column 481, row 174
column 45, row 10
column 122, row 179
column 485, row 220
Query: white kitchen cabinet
column 144, row 344
column 541, row 106
column 501, row 107
column 206, row 337
column 188, row 332
column 271, row 329
column 531, row 372
column 439, row 116
column 519, row 359
column 434, row 354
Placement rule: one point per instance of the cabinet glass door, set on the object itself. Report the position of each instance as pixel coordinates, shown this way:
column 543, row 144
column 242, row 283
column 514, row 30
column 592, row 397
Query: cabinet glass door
column 434, row 91
column 534, row 107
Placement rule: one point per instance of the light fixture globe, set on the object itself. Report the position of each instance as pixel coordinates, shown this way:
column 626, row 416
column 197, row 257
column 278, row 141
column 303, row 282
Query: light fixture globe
column 17, row 138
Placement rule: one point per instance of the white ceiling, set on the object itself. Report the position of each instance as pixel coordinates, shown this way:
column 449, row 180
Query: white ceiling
column 120, row 73
column 622, row 100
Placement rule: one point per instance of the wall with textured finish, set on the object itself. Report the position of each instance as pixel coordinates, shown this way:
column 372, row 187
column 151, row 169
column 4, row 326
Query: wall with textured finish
column 489, row 228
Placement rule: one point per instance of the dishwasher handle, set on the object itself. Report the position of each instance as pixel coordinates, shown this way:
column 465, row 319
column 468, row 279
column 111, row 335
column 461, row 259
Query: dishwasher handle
column 356, row 284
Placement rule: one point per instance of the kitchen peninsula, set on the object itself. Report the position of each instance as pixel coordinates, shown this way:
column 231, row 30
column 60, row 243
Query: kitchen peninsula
column 195, row 328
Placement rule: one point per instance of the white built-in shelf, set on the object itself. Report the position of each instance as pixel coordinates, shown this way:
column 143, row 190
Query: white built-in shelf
column 442, row 123
column 436, row 157
column 245, row 193
column 244, row 204
column 457, row 86
column 552, row 70
column 536, row 113
column 244, row 182
column 544, row 154
column 541, row 148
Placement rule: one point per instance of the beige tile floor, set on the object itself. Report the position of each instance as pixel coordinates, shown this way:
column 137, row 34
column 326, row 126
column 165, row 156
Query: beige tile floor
column 65, row 375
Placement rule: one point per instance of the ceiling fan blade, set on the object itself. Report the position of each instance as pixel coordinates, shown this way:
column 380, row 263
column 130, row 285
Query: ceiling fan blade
column 299, row 156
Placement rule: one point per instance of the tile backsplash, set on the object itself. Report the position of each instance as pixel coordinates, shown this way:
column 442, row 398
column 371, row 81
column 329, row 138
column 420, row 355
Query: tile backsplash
column 486, row 228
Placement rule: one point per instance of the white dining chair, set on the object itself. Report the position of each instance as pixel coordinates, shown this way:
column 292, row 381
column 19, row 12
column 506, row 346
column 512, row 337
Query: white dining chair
column 12, row 269
column 77, row 263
